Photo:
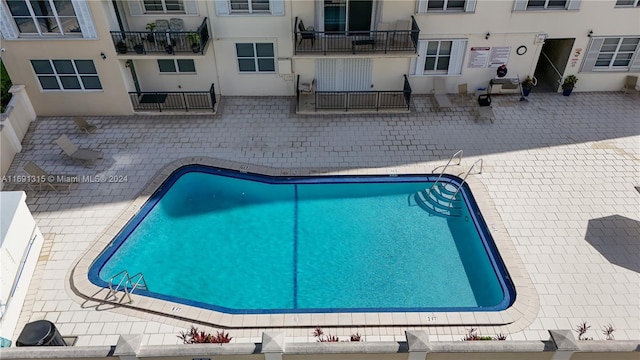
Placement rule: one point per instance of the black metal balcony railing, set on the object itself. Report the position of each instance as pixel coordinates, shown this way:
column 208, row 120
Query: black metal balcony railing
column 169, row 42
column 174, row 100
column 362, row 100
column 375, row 41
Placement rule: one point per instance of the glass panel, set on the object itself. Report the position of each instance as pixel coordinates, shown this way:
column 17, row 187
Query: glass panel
column 48, row 25
column 174, row 5
column 623, row 59
column 260, row 5
column 244, row 50
column 430, row 64
column 266, row 65
column 91, row 82
column 240, row 5
column 536, row 4
column 85, row 67
column 70, row 82
column 70, row 24
column 49, row 82
column 41, row 7
column 432, row 48
column 186, row 65
column 557, row 4
column 610, row 45
column 64, row 67
column 624, row 2
column 153, row 5
column 18, row 8
column 435, row 5
column 455, row 4
column 445, row 47
column 443, row 63
column 629, row 44
column 167, row 65
column 42, row 66
column 64, row 8
column 26, row 26
column 604, row 60
column 264, row 49
column 335, row 15
column 247, row 65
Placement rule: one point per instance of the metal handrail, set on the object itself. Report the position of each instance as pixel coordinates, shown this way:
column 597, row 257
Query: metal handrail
column 458, row 153
column 559, row 80
column 465, row 177
column 126, row 281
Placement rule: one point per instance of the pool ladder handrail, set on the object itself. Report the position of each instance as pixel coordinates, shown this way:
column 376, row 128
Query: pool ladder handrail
column 126, row 284
column 458, row 153
column 464, row 179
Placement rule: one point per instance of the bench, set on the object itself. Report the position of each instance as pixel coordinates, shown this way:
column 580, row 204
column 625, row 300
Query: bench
column 360, row 42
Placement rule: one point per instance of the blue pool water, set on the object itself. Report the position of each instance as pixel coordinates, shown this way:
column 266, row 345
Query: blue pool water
column 243, row 243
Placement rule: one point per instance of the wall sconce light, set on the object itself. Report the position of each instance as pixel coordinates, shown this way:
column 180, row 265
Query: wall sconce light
column 590, row 33
column 486, row 37
column 103, row 56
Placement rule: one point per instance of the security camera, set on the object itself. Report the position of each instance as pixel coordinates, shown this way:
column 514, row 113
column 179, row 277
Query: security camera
column 3, row 50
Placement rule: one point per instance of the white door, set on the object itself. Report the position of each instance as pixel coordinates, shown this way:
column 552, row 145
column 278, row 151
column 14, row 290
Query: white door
column 344, row 74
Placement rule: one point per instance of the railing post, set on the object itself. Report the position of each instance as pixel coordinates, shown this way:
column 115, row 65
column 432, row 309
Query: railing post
column 377, row 101
column 158, row 102
column 184, row 101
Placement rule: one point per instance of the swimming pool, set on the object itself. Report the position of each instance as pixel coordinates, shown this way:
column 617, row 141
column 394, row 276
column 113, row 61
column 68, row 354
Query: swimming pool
column 243, row 243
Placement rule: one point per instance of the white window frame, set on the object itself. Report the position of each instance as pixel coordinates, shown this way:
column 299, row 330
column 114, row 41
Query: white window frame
column 223, row 8
column 164, row 8
column 256, row 58
column 55, row 15
column 636, row 3
column 523, row 5
column 250, row 7
column 176, row 67
column 422, row 7
column 615, row 54
column 445, row 7
column 546, row 6
column 57, row 76
column 456, row 58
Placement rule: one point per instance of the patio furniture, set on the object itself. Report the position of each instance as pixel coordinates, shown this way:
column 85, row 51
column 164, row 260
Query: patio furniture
column 83, row 125
column 306, row 33
column 307, row 87
column 463, row 91
column 42, row 179
column 162, row 25
column 176, row 24
column 401, row 33
column 485, row 111
column 631, row 85
column 75, row 152
column 440, row 94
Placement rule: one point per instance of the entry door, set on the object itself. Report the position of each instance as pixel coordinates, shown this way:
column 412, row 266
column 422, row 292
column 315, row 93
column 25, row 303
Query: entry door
column 347, row 15
column 344, row 74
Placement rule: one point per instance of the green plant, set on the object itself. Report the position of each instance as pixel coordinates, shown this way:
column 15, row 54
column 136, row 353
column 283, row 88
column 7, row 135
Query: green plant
column 5, row 85
column 472, row 335
column 569, row 82
column 581, row 329
column 194, row 336
column 150, row 26
column 528, row 82
column 194, row 38
column 608, row 331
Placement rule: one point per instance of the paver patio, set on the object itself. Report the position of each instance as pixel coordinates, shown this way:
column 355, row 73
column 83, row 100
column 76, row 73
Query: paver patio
column 560, row 170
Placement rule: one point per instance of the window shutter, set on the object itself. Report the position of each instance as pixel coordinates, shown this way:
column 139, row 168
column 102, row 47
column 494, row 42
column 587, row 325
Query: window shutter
column 135, row 7
column 222, row 7
column 7, row 25
column 319, row 15
column 520, row 5
column 422, row 6
column 458, row 48
column 592, row 55
column 85, row 20
column 276, row 7
column 573, row 5
column 470, row 6
column 635, row 64
column 417, row 64
column 191, row 7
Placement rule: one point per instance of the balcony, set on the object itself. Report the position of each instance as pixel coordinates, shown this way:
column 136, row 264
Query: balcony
column 174, row 100
column 380, row 41
column 167, row 42
column 358, row 101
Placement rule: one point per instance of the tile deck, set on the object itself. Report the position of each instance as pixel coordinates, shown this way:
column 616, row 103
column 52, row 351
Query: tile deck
column 559, row 171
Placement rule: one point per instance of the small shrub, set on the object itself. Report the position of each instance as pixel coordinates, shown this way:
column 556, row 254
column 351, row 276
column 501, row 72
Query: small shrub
column 321, row 337
column 355, row 337
column 581, row 329
column 608, row 331
column 195, row 336
column 472, row 335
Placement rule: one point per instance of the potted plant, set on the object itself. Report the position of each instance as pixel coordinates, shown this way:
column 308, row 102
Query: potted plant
column 121, row 46
column 568, row 84
column 527, row 84
column 194, row 40
column 139, row 48
column 150, row 27
column 168, row 47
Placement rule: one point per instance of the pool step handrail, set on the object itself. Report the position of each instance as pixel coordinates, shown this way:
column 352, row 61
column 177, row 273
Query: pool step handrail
column 464, row 179
column 127, row 284
column 459, row 154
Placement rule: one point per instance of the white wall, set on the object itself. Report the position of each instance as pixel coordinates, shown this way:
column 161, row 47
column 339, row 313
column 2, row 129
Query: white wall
column 14, row 124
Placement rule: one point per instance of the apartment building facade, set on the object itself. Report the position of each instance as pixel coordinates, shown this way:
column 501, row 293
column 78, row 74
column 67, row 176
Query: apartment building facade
column 117, row 57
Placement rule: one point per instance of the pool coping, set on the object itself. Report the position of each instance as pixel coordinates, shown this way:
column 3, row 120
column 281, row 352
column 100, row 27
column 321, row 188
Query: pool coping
column 517, row 317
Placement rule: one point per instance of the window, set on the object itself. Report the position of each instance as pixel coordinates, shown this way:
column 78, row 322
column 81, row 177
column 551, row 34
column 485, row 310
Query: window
column 66, row 75
column 177, row 66
column 439, row 6
column 163, row 6
column 628, row 3
column 249, row 6
column 438, row 57
column 533, row 5
column 258, row 57
column 44, row 17
column 616, row 53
